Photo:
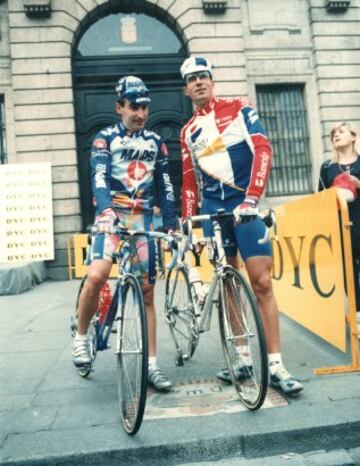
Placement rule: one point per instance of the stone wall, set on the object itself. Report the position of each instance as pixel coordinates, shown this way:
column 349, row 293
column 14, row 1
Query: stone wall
column 336, row 45
column 254, row 42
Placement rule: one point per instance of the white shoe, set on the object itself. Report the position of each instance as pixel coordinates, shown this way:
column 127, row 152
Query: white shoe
column 81, row 353
column 158, row 379
column 281, row 378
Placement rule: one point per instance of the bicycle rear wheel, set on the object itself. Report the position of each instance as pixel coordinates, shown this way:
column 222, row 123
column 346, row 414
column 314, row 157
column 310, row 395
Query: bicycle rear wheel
column 132, row 354
column 84, row 371
column 241, row 326
column 179, row 312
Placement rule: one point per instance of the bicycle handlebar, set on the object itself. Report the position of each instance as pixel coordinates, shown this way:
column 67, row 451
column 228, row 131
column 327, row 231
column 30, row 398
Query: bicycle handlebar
column 268, row 217
column 172, row 239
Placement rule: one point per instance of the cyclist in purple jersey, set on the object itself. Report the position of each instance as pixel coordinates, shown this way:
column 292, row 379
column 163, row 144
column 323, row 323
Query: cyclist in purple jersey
column 127, row 164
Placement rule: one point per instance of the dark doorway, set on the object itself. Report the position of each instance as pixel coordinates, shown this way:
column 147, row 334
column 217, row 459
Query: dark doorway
column 95, row 76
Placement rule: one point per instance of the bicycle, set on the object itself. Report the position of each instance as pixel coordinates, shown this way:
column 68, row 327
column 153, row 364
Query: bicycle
column 239, row 319
column 127, row 312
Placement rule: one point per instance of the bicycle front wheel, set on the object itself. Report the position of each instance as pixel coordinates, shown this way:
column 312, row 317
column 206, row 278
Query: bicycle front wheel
column 179, row 312
column 243, row 339
column 132, row 354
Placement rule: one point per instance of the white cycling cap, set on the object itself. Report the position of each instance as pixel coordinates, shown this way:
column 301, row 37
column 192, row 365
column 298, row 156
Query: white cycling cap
column 195, row 64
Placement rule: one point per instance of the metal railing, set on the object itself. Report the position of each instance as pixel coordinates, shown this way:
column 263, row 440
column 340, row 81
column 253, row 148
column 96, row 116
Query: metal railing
column 282, row 110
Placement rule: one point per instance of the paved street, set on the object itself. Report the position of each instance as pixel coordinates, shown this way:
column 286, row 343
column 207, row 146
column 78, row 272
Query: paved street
column 50, row 415
column 343, row 457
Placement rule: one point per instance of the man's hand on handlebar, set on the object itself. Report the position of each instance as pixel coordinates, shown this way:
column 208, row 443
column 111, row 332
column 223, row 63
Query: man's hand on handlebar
column 246, row 211
column 106, row 222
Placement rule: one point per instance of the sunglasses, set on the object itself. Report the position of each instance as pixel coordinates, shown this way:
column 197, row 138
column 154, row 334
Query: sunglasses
column 191, row 78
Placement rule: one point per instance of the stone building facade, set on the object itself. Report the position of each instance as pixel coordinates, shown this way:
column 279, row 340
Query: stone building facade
column 273, row 51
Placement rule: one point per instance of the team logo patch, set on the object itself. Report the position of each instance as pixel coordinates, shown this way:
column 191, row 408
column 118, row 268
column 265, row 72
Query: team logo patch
column 136, row 170
column 195, row 134
column 100, row 144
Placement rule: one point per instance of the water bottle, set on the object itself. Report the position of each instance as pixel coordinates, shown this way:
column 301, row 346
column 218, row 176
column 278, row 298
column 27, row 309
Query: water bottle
column 104, row 301
column 201, row 290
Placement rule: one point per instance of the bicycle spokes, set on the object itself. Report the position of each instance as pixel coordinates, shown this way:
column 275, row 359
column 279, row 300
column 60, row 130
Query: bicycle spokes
column 132, row 355
column 243, row 339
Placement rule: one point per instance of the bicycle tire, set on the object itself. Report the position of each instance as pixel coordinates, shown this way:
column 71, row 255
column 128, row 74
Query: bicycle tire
column 84, row 371
column 132, row 355
column 240, row 323
column 179, row 312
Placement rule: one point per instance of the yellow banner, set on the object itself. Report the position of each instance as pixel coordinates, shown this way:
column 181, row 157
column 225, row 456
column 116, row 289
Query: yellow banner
column 308, row 272
column 26, row 219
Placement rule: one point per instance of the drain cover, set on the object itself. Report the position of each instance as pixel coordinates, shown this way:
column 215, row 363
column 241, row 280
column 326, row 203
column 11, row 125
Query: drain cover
column 201, row 397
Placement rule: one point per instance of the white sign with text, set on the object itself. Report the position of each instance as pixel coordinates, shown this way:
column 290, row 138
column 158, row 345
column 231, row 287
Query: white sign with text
column 26, row 220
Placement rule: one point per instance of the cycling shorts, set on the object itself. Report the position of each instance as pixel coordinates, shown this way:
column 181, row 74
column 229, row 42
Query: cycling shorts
column 243, row 236
column 104, row 245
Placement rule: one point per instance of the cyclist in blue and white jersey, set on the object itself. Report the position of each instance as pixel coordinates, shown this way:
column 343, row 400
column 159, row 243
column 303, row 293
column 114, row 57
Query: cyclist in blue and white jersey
column 226, row 158
column 127, row 164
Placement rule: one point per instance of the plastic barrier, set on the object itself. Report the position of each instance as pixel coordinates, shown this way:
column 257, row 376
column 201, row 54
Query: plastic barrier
column 308, row 275
column 351, row 316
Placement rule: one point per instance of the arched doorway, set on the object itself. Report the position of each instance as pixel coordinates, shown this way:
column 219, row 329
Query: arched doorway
column 119, row 44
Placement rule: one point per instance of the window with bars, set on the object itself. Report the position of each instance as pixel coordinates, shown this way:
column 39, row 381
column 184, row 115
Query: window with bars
column 282, row 110
column 3, row 158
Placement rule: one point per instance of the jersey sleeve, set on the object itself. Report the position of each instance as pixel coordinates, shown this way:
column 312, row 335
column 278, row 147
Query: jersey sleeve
column 262, row 151
column 164, row 188
column 189, row 191
column 100, row 162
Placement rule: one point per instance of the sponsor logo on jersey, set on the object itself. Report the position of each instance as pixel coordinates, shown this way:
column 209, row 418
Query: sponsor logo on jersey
column 253, row 116
column 261, row 174
column 168, row 187
column 99, row 176
column 110, row 130
column 195, row 135
column 199, row 146
column 137, row 170
column 137, row 154
column 99, row 144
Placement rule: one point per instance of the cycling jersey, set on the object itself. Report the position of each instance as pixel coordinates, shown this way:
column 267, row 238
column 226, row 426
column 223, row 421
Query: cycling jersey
column 126, row 167
column 225, row 153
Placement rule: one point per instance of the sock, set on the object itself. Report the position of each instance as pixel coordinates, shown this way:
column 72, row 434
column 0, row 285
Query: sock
column 274, row 360
column 244, row 353
column 152, row 361
column 79, row 337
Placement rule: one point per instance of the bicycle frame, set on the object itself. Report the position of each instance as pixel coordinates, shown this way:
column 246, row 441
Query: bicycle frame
column 220, row 263
column 104, row 329
column 124, row 268
column 204, row 312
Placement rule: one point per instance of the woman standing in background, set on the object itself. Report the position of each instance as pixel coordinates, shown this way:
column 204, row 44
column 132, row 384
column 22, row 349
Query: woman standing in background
column 345, row 166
